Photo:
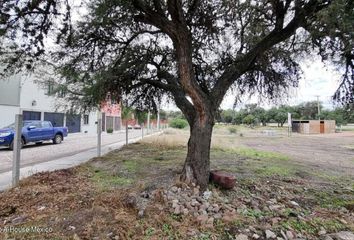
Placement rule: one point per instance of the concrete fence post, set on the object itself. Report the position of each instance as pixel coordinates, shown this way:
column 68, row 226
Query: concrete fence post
column 148, row 123
column 99, row 134
column 142, row 130
column 126, row 133
column 17, row 144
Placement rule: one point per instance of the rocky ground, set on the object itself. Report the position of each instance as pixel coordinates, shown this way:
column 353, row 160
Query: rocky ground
column 134, row 194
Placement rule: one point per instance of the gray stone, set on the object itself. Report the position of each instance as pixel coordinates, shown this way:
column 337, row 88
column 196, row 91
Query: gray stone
column 141, row 213
column 202, row 219
column 177, row 210
column 343, row 235
column 270, row 235
column 210, row 221
column 295, row 204
column 19, row 220
column 194, row 203
column 255, row 236
column 185, row 211
column 322, row 231
column 241, row 237
column 275, row 207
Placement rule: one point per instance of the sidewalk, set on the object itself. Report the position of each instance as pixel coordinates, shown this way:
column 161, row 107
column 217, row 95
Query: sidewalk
column 63, row 163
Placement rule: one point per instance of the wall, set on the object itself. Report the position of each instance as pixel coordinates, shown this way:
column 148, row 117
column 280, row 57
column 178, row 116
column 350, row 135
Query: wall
column 35, row 93
column 330, row 126
column 10, row 91
column 314, row 127
column 7, row 115
column 90, row 128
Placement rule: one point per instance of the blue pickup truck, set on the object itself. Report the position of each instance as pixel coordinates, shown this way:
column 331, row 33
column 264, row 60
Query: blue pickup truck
column 33, row 131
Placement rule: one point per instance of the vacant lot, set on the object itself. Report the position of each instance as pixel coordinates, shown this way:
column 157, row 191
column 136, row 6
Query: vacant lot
column 302, row 186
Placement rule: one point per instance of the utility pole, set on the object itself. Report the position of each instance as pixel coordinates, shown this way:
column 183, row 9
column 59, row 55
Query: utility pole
column 17, row 144
column 148, row 123
column 158, row 117
column 126, row 133
column 99, row 133
column 318, row 107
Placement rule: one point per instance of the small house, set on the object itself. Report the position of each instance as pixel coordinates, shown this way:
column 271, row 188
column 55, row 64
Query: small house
column 314, row 126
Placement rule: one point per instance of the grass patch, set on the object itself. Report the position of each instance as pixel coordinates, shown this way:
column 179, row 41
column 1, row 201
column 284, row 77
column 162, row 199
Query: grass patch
column 253, row 153
column 314, row 225
column 131, row 166
column 333, row 201
column 106, row 179
column 270, row 170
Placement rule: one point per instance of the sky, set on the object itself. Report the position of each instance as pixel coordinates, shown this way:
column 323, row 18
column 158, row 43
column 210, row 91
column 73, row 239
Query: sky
column 317, row 80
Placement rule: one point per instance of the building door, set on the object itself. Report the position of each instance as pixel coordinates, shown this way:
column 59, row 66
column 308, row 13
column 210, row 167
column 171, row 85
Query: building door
column 109, row 123
column 73, row 123
column 57, row 119
column 322, row 127
column 30, row 115
column 117, row 123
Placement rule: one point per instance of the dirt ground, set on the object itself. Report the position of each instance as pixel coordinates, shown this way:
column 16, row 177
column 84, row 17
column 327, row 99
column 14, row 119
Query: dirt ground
column 329, row 152
column 284, row 185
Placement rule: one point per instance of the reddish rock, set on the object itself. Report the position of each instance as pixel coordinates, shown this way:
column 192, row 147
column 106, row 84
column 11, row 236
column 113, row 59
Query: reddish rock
column 224, row 179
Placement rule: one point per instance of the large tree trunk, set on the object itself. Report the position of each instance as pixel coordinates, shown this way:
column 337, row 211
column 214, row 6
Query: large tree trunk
column 197, row 165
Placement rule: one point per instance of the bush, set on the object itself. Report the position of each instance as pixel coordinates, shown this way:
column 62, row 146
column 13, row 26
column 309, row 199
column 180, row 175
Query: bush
column 178, row 123
column 232, row 130
column 109, row 130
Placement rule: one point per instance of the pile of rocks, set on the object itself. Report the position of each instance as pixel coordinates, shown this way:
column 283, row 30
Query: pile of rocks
column 268, row 207
column 205, row 207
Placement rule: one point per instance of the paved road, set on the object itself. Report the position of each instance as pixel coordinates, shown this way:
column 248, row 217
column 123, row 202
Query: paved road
column 68, row 159
column 73, row 144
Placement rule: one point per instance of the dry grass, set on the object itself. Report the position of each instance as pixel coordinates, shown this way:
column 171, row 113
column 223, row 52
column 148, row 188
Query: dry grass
column 87, row 202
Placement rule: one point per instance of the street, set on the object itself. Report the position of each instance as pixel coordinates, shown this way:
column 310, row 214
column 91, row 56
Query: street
column 73, row 144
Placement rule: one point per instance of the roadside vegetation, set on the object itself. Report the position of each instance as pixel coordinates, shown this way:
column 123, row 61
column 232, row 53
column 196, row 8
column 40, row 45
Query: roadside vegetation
column 122, row 195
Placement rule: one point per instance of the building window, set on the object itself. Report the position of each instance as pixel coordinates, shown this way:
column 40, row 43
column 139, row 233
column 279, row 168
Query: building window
column 62, row 93
column 86, row 119
column 50, row 88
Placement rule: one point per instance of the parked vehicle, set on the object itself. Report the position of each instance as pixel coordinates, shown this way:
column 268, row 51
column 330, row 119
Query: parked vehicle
column 33, row 131
column 130, row 126
column 137, row 126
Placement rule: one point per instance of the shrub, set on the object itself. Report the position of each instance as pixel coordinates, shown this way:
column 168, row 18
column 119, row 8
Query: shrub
column 178, row 123
column 232, row 130
column 109, row 130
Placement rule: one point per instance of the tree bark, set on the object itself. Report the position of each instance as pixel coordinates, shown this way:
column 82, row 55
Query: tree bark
column 197, row 165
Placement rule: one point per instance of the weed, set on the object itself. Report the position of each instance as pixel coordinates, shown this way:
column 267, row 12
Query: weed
column 232, row 130
column 131, row 166
column 149, row 231
column 105, row 179
column 314, row 225
column 270, row 170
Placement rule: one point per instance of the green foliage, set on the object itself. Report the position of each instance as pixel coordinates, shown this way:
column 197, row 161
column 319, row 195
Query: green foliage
column 175, row 114
column 309, row 110
column 232, row 130
column 249, row 119
column 178, row 123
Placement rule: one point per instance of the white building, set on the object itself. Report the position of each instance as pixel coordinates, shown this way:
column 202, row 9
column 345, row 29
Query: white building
column 23, row 94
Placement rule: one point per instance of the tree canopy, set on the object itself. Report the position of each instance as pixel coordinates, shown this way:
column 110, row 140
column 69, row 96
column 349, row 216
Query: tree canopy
column 194, row 51
column 130, row 46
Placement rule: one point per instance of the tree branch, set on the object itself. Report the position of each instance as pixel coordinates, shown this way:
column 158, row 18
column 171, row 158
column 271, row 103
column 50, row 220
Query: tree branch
column 243, row 63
